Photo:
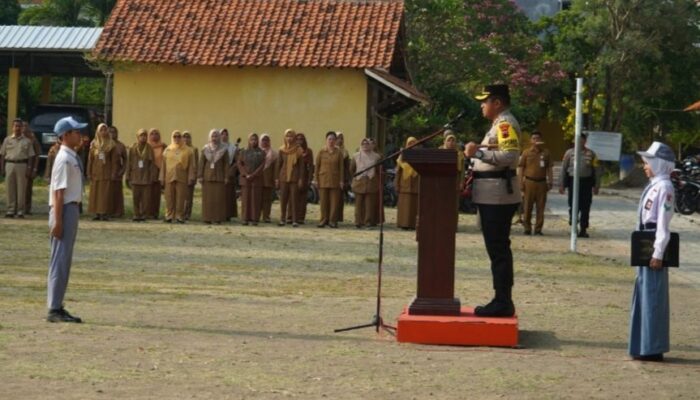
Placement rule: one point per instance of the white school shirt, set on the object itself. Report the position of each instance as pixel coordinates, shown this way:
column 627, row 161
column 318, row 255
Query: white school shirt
column 67, row 174
column 656, row 206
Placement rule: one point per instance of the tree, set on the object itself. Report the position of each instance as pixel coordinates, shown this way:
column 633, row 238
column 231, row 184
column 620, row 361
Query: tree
column 68, row 13
column 639, row 60
column 455, row 47
column 9, row 12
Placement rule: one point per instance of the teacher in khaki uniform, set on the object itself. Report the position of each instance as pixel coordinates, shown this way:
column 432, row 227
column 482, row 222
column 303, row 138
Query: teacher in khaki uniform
column 329, row 173
column 177, row 173
column 496, row 193
column 16, row 161
column 535, row 172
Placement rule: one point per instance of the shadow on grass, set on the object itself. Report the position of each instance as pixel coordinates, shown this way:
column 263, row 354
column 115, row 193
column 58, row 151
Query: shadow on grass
column 242, row 333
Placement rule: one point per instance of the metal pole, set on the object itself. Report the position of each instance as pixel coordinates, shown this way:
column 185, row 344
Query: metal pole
column 577, row 160
column 74, row 91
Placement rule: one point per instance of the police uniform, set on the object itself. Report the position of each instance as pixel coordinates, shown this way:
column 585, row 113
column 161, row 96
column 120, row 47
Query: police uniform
column 17, row 153
column 535, row 163
column 497, row 195
column 589, row 173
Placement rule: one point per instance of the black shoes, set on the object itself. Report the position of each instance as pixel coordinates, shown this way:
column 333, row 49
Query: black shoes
column 61, row 315
column 651, row 358
column 496, row 308
column 527, row 232
column 539, row 233
column 583, row 234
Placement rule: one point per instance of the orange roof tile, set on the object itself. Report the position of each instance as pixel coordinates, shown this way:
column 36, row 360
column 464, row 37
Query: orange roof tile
column 284, row 33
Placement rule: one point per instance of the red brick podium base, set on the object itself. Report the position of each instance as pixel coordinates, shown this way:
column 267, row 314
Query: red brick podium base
column 465, row 329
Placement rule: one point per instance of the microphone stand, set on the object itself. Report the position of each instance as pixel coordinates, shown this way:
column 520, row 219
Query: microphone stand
column 377, row 320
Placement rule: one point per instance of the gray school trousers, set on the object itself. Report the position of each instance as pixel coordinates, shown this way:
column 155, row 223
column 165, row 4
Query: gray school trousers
column 61, row 256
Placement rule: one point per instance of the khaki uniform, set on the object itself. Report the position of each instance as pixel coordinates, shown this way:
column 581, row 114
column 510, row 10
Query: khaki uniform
column 535, row 164
column 156, row 187
column 365, row 190
column 102, row 169
column 50, row 158
column 268, row 190
column 117, row 184
column 177, row 173
column 330, row 172
column 251, row 162
column 307, row 174
column 346, row 182
column 140, row 176
column 190, row 199
column 214, row 178
column 231, row 196
column 289, row 185
column 408, row 189
column 16, row 153
column 35, row 171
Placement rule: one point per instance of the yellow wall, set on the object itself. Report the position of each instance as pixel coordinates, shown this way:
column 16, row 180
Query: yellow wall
column 243, row 100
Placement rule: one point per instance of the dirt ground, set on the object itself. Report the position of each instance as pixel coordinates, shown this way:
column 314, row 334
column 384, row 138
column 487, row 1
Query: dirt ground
column 218, row 312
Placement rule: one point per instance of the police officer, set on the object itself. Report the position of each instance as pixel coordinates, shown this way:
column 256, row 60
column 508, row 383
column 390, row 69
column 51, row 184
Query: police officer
column 535, row 172
column 16, row 162
column 496, row 193
column 589, row 173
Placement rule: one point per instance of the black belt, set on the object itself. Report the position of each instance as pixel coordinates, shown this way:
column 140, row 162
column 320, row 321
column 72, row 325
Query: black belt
column 649, row 226
column 17, row 161
column 536, row 179
column 506, row 174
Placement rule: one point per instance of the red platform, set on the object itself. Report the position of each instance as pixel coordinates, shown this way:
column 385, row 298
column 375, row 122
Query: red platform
column 464, row 330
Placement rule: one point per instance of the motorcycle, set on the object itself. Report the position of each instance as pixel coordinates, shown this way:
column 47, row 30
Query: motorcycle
column 686, row 183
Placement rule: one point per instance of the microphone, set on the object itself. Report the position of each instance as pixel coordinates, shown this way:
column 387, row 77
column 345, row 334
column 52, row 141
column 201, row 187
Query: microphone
column 459, row 116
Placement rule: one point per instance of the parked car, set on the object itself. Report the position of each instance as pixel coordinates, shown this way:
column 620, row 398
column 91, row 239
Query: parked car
column 46, row 116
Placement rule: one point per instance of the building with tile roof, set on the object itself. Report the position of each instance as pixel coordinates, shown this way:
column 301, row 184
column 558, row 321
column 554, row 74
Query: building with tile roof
column 258, row 65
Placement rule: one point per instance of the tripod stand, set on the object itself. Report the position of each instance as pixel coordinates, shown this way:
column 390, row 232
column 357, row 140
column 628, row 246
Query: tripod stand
column 377, row 320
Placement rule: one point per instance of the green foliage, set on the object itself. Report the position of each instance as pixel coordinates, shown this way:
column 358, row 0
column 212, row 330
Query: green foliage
column 68, row 13
column 9, row 12
column 455, row 47
column 639, row 61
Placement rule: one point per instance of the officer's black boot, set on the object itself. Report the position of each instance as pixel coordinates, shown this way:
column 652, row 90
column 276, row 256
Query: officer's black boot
column 501, row 306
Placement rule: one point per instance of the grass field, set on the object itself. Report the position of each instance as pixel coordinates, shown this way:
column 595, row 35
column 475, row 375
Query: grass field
column 213, row 312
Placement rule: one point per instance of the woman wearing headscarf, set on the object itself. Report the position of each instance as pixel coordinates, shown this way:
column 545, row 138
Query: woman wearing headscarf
column 330, row 170
column 268, row 176
column 288, row 175
column 212, row 171
column 139, row 174
column 250, row 165
column 187, row 137
column 102, row 170
column 649, row 318
column 365, row 186
column 340, row 144
column 231, row 198
column 407, row 183
column 307, row 173
column 176, row 174
column 450, row 143
column 117, row 187
column 156, row 189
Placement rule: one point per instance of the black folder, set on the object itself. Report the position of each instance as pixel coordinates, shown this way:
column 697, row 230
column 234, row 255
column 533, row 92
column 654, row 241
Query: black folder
column 643, row 249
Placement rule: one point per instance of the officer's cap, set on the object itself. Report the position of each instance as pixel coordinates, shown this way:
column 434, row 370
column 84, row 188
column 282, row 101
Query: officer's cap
column 659, row 150
column 493, row 90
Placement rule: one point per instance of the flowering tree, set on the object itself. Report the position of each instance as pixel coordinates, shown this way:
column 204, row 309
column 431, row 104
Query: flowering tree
column 455, row 47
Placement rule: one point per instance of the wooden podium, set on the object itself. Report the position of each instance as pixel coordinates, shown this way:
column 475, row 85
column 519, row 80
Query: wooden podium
column 435, row 316
column 437, row 226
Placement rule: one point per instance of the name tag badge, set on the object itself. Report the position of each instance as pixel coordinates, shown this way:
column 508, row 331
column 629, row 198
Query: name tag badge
column 141, row 164
column 211, row 166
column 101, row 156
